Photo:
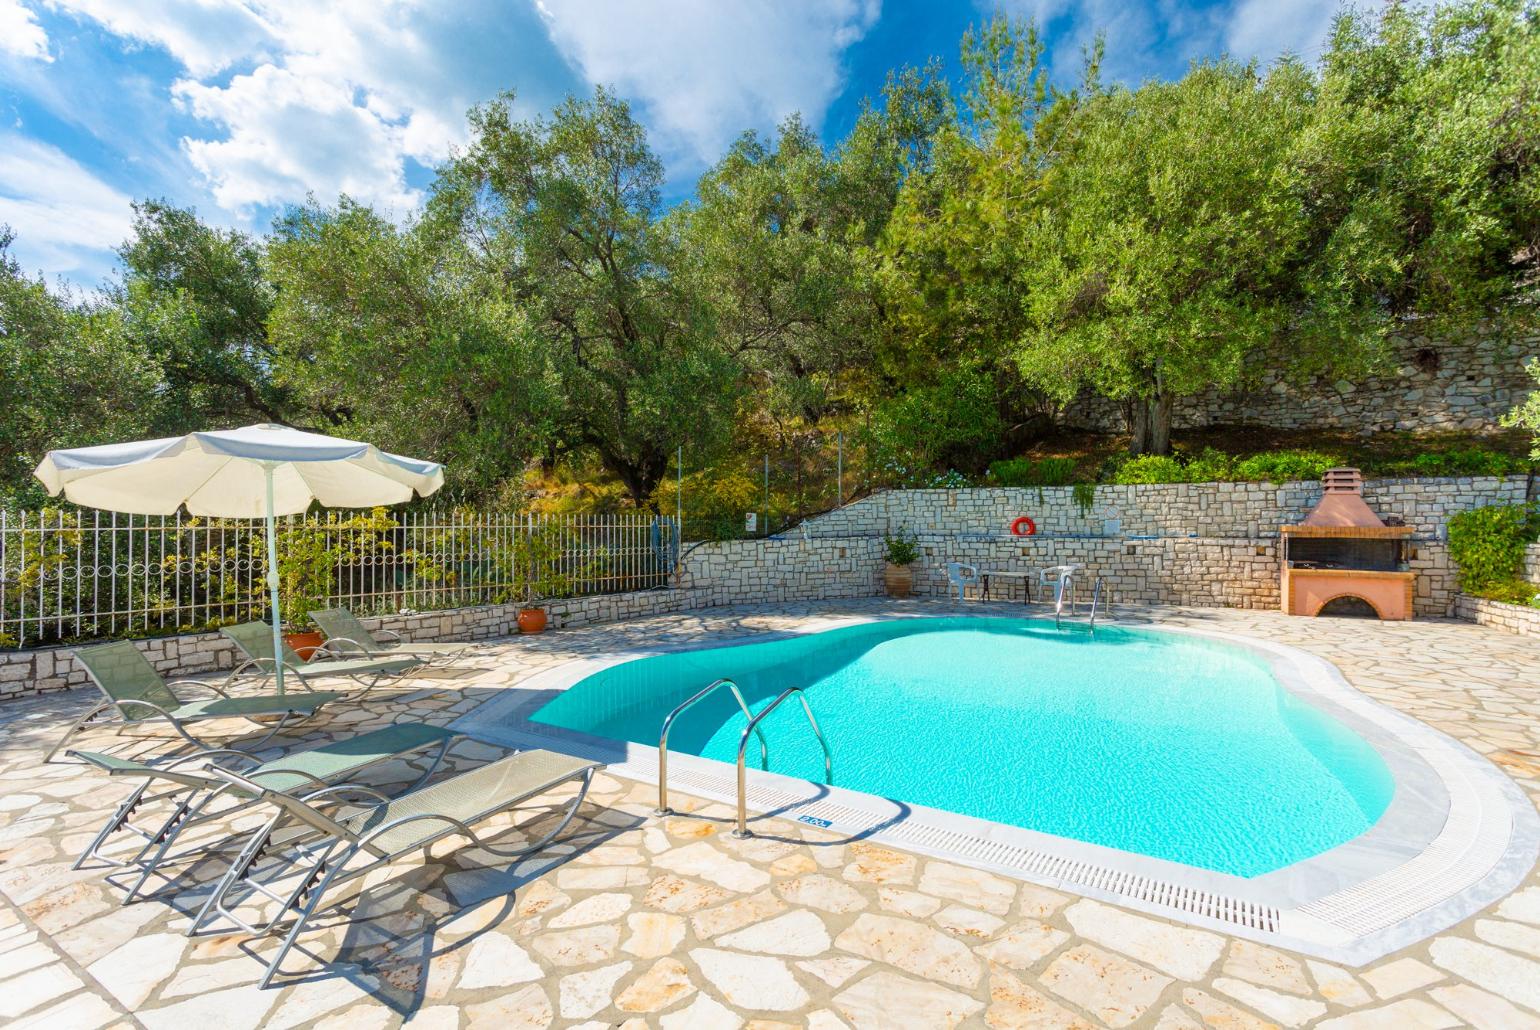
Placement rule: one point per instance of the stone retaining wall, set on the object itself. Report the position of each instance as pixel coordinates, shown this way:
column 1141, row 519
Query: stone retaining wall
column 1180, row 543
column 1219, row 510
column 1198, row 571
column 1432, row 385
column 1510, row 617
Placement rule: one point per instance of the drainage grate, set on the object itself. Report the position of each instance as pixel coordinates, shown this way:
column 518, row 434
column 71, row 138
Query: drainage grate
column 942, row 842
column 1472, row 842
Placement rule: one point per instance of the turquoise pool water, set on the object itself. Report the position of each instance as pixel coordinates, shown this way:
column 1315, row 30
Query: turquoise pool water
column 1167, row 745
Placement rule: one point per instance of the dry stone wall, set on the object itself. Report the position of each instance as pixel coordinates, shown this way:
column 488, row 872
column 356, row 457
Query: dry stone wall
column 1432, row 385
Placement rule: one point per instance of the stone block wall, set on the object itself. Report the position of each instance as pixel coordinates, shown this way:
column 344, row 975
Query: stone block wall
column 1512, row 618
column 789, row 569
column 1178, row 543
column 44, row 669
column 1432, row 385
column 1197, row 571
column 1218, row 510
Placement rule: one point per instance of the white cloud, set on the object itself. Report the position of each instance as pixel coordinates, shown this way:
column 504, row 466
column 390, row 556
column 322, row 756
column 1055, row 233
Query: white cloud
column 1266, row 29
column 343, row 147
column 327, row 98
column 705, row 70
column 297, row 97
column 1157, row 38
column 206, row 36
column 63, row 215
column 20, row 34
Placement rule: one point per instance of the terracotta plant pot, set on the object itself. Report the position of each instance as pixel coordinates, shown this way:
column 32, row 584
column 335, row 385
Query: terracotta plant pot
column 899, row 580
column 304, row 644
column 532, row 620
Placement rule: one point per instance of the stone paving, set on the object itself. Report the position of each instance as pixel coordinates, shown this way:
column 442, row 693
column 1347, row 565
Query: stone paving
column 639, row 922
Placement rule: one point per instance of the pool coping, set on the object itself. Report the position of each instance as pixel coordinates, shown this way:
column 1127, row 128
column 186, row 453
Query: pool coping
column 1456, row 835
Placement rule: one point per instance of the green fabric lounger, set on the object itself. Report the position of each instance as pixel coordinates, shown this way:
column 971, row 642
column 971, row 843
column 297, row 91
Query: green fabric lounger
column 255, row 639
column 298, row 877
column 345, row 635
column 133, row 689
column 192, row 788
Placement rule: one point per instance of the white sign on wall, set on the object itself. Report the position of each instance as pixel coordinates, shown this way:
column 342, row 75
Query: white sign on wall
column 750, row 521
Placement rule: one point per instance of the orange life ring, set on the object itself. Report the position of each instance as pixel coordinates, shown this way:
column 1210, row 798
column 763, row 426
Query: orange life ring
column 1023, row 526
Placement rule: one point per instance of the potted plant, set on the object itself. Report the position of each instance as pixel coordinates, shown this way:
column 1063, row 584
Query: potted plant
column 305, row 567
column 310, row 551
column 900, row 552
column 537, row 554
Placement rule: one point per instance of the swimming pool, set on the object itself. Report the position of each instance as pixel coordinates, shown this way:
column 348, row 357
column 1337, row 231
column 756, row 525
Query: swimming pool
column 1172, row 746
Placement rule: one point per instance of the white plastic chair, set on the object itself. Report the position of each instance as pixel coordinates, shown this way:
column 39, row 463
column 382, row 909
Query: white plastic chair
column 961, row 576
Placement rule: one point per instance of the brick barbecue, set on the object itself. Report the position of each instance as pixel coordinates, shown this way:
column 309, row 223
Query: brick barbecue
column 1343, row 559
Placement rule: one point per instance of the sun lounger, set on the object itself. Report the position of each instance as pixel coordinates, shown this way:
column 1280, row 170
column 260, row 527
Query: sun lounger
column 137, row 693
column 191, row 788
column 346, row 636
column 255, row 640
column 298, row 878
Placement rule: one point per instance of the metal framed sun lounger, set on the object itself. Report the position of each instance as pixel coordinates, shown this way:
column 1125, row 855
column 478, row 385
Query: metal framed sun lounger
column 191, row 788
column 300, row 875
column 346, row 636
column 132, row 688
column 255, row 640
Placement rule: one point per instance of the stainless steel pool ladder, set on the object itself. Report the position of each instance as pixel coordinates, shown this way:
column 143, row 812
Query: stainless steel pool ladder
column 1065, row 587
column 743, row 742
column 668, row 722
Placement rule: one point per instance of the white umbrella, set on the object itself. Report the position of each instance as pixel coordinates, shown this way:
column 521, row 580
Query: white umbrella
column 256, row 471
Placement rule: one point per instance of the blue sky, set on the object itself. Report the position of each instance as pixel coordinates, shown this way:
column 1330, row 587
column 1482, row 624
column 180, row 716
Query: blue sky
column 239, row 107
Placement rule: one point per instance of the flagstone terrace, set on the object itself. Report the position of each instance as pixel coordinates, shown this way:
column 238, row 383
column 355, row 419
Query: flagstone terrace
column 638, row 921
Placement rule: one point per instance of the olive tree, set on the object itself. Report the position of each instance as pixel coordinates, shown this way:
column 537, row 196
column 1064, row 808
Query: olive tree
column 565, row 214
column 1162, row 251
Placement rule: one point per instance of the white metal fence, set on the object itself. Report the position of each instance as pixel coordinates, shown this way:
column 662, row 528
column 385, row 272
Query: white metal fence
column 79, row 574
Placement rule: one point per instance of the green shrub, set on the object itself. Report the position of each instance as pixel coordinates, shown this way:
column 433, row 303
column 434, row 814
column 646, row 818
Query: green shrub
column 901, row 548
column 1150, row 468
column 1512, row 591
column 1211, row 466
column 1467, row 461
column 1026, row 472
column 1488, row 543
column 1283, row 466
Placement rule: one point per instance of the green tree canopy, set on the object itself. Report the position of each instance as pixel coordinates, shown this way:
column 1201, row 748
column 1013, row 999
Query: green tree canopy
column 69, row 376
column 950, row 263
column 1161, row 249
column 566, row 214
column 400, row 336
column 195, row 299
column 1422, row 164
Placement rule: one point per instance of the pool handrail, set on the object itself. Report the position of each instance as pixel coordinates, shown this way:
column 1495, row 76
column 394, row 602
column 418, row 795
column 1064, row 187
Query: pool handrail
column 742, row 830
column 668, row 722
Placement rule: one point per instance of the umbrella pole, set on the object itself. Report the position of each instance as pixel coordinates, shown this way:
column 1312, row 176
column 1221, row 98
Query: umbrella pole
column 272, row 578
